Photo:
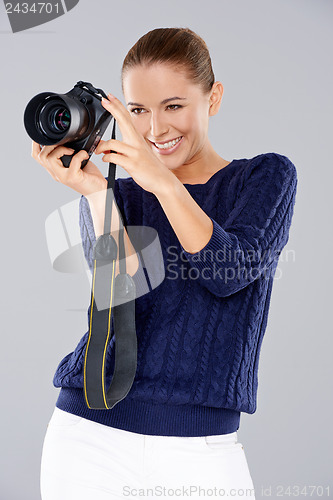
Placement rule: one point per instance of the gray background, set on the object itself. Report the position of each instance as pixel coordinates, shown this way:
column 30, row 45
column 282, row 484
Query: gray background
column 274, row 59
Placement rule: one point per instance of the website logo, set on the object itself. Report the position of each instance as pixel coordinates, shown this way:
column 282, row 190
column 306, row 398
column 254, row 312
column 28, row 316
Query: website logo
column 28, row 14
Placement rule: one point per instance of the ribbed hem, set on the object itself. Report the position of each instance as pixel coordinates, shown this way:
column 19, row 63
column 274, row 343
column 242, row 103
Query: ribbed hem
column 140, row 280
column 153, row 418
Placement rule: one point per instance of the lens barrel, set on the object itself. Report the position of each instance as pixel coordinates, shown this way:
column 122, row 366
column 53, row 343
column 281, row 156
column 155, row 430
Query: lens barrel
column 55, row 119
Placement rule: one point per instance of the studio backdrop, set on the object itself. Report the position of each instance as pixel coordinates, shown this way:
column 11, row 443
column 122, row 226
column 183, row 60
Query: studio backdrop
column 273, row 59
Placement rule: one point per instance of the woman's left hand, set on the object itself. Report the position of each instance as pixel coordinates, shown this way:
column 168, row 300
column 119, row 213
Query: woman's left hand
column 133, row 153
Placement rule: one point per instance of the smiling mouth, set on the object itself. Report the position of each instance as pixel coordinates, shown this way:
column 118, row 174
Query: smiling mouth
column 167, row 145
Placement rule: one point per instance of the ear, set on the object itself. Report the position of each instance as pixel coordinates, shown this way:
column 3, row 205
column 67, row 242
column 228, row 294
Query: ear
column 215, row 98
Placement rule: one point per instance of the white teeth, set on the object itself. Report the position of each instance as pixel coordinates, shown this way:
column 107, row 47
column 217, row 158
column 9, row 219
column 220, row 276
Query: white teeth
column 167, row 145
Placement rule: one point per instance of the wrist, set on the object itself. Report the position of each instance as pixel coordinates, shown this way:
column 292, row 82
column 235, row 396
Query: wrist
column 89, row 188
column 169, row 185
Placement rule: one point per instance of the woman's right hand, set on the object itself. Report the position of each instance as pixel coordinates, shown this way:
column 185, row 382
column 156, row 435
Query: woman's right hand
column 86, row 180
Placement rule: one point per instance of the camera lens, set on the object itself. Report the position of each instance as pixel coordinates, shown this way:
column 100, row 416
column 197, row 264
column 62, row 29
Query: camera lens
column 60, row 119
column 56, row 119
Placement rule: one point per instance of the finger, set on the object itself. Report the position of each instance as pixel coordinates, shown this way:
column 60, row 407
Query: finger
column 64, row 174
column 60, row 151
column 35, row 149
column 121, row 160
column 98, row 149
column 75, row 164
column 116, row 107
column 113, row 145
column 53, row 161
column 122, row 116
column 45, row 151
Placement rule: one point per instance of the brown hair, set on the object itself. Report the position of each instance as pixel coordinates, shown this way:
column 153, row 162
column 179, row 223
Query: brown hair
column 179, row 46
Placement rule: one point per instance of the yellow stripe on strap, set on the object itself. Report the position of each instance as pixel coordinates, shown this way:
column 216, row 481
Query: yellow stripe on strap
column 91, row 313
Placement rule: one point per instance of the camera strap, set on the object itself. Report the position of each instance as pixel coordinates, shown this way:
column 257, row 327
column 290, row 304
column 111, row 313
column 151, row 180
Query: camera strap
column 105, row 285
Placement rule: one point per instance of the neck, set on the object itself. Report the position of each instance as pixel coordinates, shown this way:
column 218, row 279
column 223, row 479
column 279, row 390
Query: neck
column 201, row 166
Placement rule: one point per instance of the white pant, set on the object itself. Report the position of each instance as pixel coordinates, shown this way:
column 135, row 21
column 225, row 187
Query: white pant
column 85, row 460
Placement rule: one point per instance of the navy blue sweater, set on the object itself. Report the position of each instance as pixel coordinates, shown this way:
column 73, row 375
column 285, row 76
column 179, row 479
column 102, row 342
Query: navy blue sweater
column 199, row 332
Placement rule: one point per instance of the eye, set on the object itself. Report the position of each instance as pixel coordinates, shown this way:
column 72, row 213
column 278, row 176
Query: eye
column 137, row 111
column 173, row 107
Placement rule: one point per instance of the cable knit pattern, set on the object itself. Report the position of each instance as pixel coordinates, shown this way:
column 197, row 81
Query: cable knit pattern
column 200, row 331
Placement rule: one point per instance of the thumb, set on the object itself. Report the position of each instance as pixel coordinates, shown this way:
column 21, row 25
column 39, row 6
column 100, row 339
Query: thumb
column 75, row 164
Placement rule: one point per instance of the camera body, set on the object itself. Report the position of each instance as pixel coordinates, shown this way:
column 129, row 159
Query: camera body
column 76, row 119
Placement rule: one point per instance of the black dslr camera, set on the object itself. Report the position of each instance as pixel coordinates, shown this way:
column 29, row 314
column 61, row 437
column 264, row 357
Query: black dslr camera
column 76, row 119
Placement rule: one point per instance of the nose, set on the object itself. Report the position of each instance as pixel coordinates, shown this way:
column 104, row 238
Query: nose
column 158, row 126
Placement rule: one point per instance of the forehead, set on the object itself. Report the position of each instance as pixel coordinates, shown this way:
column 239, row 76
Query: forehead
column 157, row 82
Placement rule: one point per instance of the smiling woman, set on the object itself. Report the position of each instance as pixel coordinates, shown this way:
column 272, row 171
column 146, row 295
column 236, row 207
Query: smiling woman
column 170, row 88
column 222, row 226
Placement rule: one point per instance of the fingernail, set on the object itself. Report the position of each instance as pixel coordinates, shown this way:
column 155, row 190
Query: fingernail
column 110, row 96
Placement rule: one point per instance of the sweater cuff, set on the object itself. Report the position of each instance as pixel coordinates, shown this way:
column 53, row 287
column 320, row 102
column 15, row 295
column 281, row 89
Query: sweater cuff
column 139, row 278
column 212, row 251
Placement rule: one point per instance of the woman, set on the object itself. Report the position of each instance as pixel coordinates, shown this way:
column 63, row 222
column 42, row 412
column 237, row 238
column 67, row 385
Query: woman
column 222, row 226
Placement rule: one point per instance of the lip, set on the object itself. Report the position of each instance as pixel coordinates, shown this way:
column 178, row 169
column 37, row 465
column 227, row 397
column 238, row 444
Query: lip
column 167, row 151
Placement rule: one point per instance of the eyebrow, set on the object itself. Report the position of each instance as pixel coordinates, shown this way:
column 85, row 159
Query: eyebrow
column 163, row 102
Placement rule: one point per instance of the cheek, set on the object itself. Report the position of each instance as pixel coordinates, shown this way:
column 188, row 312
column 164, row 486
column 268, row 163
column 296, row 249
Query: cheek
column 201, row 117
column 192, row 123
column 185, row 123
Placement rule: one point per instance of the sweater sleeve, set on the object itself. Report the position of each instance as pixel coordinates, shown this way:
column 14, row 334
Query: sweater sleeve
column 255, row 231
